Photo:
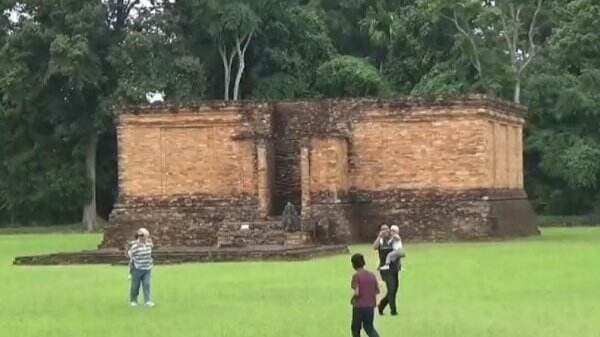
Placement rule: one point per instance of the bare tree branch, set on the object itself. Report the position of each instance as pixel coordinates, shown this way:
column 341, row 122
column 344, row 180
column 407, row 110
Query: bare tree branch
column 227, row 63
column 241, row 53
column 516, row 28
column 506, row 34
column 532, row 47
column 247, row 43
column 463, row 31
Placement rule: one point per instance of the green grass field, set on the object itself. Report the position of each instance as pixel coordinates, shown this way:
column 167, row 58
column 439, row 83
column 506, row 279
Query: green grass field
column 544, row 286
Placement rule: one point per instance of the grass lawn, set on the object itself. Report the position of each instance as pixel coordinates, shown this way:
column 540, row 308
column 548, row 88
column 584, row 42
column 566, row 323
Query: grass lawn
column 544, row 286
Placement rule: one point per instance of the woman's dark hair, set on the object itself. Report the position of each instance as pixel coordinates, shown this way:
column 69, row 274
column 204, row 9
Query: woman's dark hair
column 358, row 261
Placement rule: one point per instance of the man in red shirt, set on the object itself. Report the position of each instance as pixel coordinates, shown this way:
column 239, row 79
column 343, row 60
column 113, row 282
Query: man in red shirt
column 364, row 284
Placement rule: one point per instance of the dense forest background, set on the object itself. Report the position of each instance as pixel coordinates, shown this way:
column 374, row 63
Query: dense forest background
column 65, row 63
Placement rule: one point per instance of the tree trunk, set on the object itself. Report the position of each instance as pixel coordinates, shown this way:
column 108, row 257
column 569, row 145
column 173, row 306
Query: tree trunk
column 89, row 210
column 517, row 97
column 238, row 78
column 227, row 81
column 227, row 62
column 241, row 53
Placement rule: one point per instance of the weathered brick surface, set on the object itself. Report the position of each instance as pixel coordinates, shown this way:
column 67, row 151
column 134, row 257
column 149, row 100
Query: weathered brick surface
column 255, row 233
column 346, row 164
column 439, row 215
column 184, row 255
column 176, row 154
column 329, row 167
column 190, row 221
column 443, row 154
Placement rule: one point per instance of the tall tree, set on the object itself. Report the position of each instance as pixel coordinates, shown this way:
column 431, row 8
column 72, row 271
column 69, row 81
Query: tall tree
column 483, row 24
column 65, row 41
column 382, row 26
column 63, row 66
column 564, row 101
column 232, row 25
column 290, row 47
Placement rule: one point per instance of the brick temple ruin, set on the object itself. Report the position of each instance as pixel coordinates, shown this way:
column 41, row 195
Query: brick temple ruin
column 211, row 180
column 217, row 173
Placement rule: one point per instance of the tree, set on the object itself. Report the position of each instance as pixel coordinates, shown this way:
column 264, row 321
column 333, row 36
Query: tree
column 153, row 58
column 231, row 24
column 381, row 25
column 350, row 76
column 293, row 42
column 53, row 61
column 482, row 24
column 63, row 66
column 564, row 102
column 519, row 22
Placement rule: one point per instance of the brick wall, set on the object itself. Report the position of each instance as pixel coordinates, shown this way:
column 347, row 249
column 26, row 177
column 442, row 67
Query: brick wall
column 171, row 155
column 329, row 168
column 445, row 169
column 441, row 154
column 185, row 170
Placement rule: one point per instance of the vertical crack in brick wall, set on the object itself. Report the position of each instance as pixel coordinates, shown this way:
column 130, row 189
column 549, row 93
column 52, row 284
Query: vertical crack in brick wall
column 286, row 142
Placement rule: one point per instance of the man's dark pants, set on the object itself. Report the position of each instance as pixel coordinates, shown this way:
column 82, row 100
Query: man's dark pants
column 390, row 277
column 363, row 317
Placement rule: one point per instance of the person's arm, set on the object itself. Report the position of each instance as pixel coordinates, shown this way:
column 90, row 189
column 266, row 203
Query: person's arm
column 377, row 242
column 132, row 250
column 354, row 286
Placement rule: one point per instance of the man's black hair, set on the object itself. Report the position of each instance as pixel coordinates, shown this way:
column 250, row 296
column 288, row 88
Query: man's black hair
column 358, row 261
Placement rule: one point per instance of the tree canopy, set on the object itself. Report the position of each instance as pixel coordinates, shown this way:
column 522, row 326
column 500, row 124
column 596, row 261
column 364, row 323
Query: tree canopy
column 65, row 63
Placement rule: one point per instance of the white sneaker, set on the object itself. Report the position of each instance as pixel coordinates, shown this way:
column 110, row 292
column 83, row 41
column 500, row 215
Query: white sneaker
column 129, row 277
column 384, row 267
column 150, row 304
column 134, row 304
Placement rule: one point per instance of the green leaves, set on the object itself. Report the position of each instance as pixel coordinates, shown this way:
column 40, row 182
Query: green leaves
column 350, row 76
column 73, row 59
column 292, row 44
column 238, row 18
column 581, row 165
column 567, row 156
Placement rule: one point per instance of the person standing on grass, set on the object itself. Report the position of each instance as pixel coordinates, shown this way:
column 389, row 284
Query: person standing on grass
column 384, row 244
column 129, row 245
column 364, row 298
column 140, row 253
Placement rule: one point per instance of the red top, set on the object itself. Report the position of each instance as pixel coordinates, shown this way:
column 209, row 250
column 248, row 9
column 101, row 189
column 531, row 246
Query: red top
column 368, row 289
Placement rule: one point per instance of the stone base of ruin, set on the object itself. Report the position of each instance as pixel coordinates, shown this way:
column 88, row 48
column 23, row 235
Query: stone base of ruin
column 297, row 239
column 426, row 215
column 422, row 215
column 174, row 255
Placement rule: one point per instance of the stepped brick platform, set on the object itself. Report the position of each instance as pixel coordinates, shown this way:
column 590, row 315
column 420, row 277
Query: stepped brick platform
column 174, row 255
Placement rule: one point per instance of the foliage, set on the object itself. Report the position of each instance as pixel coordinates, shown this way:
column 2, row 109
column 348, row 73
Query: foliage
column 564, row 101
column 292, row 45
column 350, row 76
column 153, row 58
column 65, row 64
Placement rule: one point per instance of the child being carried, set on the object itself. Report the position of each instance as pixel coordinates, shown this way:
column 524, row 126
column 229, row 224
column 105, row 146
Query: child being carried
column 398, row 250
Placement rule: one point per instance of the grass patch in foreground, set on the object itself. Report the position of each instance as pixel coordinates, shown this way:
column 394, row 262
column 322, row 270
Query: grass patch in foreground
column 543, row 286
